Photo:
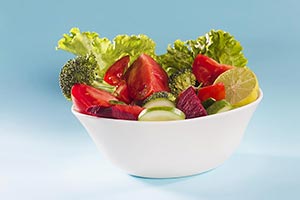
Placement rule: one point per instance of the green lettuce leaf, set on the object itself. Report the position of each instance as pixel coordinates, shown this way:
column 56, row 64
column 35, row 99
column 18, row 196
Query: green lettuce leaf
column 122, row 45
column 177, row 57
column 79, row 43
column 218, row 45
column 105, row 51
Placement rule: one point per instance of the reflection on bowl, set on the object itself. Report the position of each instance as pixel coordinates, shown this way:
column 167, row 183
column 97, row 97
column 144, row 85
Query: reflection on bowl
column 170, row 148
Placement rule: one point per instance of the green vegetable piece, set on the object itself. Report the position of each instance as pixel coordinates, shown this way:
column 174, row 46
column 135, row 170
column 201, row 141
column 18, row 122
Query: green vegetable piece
column 161, row 114
column 181, row 80
column 115, row 102
column 162, row 98
column 161, row 94
column 79, row 43
column 178, row 57
column 82, row 69
column 208, row 102
column 218, row 107
column 160, row 102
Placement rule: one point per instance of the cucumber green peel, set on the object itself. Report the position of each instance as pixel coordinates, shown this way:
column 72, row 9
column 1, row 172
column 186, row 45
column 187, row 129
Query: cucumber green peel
column 208, row 102
column 160, row 99
column 161, row 114
column 218, row 107
column 160, row 102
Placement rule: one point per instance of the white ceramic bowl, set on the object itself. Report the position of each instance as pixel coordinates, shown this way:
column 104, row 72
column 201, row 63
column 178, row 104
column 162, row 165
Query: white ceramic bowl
column 170, row 148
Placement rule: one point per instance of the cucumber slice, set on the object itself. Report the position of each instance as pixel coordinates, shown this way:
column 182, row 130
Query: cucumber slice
column 218, row 107
column 161, row 114
column 159, row 102
column 161, row 98
column 208, row 102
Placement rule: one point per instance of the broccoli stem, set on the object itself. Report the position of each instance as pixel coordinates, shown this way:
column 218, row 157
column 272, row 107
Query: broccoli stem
column 104, row 86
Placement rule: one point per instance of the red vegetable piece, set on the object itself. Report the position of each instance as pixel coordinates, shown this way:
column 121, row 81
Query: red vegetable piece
column 126, row 112
column 114, row 73
column 216, row 91
column 207, row 70
column 122, row 92
column 144, row 77
column 190, row 104
column 85, row 96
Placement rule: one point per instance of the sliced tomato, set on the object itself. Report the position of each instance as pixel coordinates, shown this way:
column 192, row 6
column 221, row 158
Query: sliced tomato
column 207, row 70
column 85, row 96
column 114, row 73
column 216, row 91
column 122, row 92
column 144, row 77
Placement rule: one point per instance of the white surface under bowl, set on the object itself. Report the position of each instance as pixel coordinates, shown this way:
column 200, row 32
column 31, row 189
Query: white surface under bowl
column 170, row 148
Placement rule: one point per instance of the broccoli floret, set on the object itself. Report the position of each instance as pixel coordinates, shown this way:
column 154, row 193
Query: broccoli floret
column 181, row 80
column 82, row 69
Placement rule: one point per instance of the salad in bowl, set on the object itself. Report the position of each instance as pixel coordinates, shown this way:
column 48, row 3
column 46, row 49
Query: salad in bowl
column 176, row 114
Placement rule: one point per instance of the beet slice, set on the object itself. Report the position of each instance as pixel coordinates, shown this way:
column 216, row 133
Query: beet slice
column 126, row 112
column 189, row 103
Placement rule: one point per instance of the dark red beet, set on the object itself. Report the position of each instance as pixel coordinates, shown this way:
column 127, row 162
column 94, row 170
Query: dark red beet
column 100, row 111
column 126, row 112
column 190, row 104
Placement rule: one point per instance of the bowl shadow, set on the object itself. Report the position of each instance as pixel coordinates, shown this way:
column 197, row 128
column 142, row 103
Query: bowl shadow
column 166, row 181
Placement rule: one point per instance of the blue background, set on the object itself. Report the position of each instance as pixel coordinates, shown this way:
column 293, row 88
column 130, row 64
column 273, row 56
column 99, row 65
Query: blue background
column 46, row 154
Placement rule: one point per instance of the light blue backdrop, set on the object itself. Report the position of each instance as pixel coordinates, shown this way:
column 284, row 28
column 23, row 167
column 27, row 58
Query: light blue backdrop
column 46, row 154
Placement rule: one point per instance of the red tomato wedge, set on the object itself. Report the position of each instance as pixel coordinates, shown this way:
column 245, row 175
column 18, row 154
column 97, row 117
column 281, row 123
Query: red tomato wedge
column 207, row 70
column 85, row 96
column 144, row 77
column 122, row 92
column 216, row 91
column 114, row 73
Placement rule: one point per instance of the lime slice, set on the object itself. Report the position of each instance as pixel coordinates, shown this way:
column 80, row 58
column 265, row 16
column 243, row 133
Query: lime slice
column 161, row 114
column 241, row 86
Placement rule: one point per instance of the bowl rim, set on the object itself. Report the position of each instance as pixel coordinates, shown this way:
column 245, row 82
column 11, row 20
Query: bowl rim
column 257, row 101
